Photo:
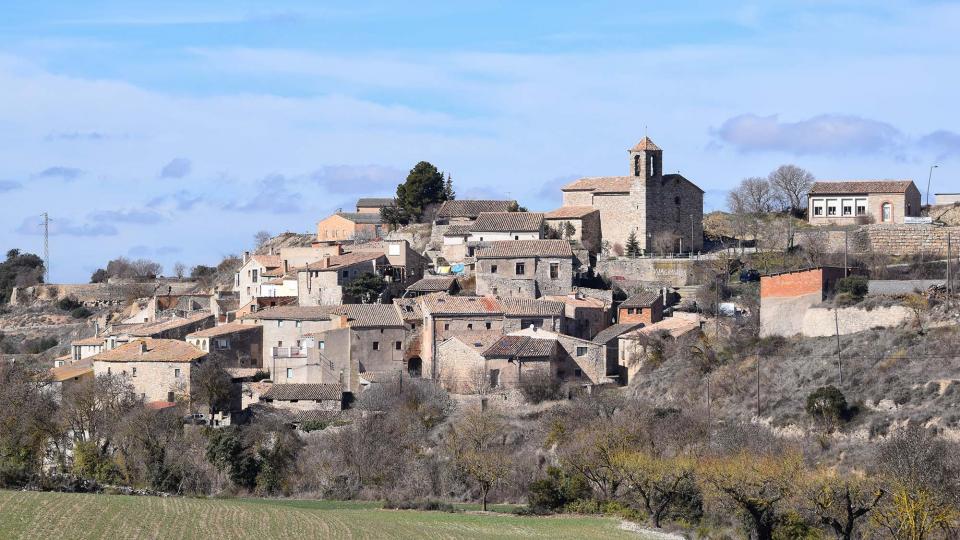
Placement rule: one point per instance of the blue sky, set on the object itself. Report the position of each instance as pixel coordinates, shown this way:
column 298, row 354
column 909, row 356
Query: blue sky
column 176, row 130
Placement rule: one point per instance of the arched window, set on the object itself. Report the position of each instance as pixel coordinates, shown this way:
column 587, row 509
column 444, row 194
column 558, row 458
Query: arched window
column 886, row 212
column 636, row 165
column 676, row 201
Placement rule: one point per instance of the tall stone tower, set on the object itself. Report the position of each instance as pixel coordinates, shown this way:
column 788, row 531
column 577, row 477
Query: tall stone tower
column 646, row 160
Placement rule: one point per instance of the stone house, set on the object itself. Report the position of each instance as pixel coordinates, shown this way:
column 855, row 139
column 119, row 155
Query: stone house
column 454, row 244
column 520, row 313
column 85, row 348
column 280, row 287
column 158, row 369
column 433, row 284
column 365, row 340
column 404, row 264
column 372, row 205
column 65, row 376
column 466, row 211
column 862, row 201
column 786, row 296
column 585, row 221
column 305, row 397
column 232, row 345
column 344, row 226
column 162, row 306
column 644, row 307
column 255, row 270
column 288, row 335
column 635, row 346
column 446, row 316
column 577, row 360
column 174, row 328
column 322, row 282
column 493, row 226
column 609, row 339
column 461, row 365
column 584, row 316
column 513, row 357
column 658, row 208
column 525, row 268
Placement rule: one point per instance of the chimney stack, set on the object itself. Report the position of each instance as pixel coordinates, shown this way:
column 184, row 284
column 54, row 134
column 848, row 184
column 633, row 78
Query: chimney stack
column 246, row 256
column 143, row 347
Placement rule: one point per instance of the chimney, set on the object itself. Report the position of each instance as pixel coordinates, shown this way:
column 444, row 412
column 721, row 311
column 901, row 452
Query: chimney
column 325, row 262
column 143, row 347
column 246, row 256
column 271, row 250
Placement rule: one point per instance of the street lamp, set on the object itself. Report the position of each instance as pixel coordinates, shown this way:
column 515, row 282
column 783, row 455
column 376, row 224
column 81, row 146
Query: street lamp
column 930, row 177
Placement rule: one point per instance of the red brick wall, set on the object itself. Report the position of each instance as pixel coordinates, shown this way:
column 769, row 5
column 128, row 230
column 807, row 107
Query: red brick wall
column 799, row 283
column 647, row 315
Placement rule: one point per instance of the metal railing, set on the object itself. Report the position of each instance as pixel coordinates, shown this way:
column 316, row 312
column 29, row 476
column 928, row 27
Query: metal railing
column 289, row 352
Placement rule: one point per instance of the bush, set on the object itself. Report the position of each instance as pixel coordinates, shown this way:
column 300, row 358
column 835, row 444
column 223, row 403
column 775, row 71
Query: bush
column 539, row 387
column 855, row 286
column 828, row 404
column 37, row 346
column 68, row 304
column 80, row 313
column 556, row 491
column 428, row 505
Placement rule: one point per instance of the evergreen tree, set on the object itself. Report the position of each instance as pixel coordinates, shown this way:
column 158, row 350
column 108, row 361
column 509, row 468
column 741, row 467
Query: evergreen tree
column 448, row 193
column 568, row 230
column 424, row 185
column 633, row 246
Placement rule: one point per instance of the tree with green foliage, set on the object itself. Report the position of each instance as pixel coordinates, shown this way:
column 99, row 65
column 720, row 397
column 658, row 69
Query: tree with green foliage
column 211, row 385
column 448, row 193
column 827, row 404
column 227, row 451
column 394, row 216
column 424, row 185
column 568, row 230
column 367, row 287
column 19, row 270
column 633, row 245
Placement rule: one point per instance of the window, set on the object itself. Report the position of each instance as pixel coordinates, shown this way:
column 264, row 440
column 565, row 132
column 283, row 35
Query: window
column 847, row 207
column 298, row 324
column 279, row 323
column 223, row 344
column 676, row 201
column 554, row 270
column 133, row 372
column 817, row 205
column 886, row 212
column 831, row 207
column 322, row 344
column 345, row 274
column 487, row 324
column 289, row 372
column 170, row 397
column 650, row 166
column 469, row 326
column 446, row 326
column 521, row 268
column 397, row 345
column 176, row 372
column 493, row 269
column 581, row 351
column 109, row 371
column 254, row 274
column 376, row 345
column 494, row 378
column 861, row 205
column 578, row 372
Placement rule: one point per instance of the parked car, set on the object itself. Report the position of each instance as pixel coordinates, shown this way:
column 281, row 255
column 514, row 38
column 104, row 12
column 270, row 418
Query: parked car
column 747, row 276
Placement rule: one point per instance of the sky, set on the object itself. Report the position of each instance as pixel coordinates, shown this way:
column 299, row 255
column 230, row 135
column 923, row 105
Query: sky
column 176, row 130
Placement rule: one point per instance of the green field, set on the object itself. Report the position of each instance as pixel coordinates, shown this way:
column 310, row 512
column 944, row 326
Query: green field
column 60, row 515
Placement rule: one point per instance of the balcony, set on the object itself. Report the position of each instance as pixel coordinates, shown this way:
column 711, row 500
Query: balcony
column 290, row 352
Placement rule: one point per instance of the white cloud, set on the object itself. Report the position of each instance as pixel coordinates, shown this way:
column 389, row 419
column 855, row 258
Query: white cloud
column 824, row 134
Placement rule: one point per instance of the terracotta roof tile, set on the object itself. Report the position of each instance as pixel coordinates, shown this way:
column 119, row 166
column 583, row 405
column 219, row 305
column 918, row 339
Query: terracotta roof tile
column 158, row 350
column 458, row 230
column 508, row 249
column 152, row 329
column 519, row 307
column 293, row 313
column 370, row 315
column 69, row 371
column 267, row 261
column 375, row 202
column 645, row 144
column 602, row 184
column 675, row 326
column 444, row 304
column 93, row 340
column 570, row 212
column 479, row 340
column 521, row 347
column 304, row 392
column 613, row 332
column 433, row 284
column 341, row 261
column 641, row 300
column 409, row 308
column 471, row 208
column 856, row 187
column 586, row 301
column 224, row 329
column 508, row 222
column 364, row 218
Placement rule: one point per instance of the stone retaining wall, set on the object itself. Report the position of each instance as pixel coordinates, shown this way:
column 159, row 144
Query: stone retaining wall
column 885, row 238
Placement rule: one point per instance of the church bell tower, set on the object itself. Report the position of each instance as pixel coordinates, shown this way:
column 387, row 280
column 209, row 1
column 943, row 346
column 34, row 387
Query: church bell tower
column 646, row 160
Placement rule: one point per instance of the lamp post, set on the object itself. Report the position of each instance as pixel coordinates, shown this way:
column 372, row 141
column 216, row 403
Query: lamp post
column 930, row 177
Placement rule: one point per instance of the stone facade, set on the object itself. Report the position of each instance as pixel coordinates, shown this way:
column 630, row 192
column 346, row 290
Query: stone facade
column 578, row 360
column 896, row 240
column 151, row 381
column 526, row 277
column 586, row 229
column 241, row 348
column 664, row 211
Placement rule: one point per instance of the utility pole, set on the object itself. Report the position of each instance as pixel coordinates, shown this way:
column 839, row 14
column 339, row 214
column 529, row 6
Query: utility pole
column 930, row 177
column 709, row 416
column 717, row 317
column 758, row 385
column 845, row 234
column 836, row 320
column 46, row 247
column 949, row 274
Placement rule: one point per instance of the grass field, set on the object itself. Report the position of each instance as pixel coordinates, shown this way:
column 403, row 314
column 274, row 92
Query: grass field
column 60, row 515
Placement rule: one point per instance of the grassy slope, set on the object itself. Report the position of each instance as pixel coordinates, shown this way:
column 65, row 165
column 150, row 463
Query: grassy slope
column 52, row 515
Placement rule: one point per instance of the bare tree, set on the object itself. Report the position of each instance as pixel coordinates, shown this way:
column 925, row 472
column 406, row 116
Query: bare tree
column 261, row 238
column 754, row 195
column 790, row 185
column 473, row 444
column 179, row 270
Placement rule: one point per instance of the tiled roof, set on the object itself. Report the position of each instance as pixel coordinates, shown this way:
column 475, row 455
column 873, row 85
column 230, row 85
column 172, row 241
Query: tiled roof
column 433, row 284
column 602, row 184
column 675, row 326
column 158, row 350
column 571, row 300
column 479, row 340
column 570, row 212
column 409, row 308
column 268, row 261
column 519, row 307
column 644, row 144
column 375, row 202
column 464, row 208
column 445, row 304
column 508, row 249
column 458, row 230
column 305, row 392
column 522, row 347
column 155, row 328
column 293, row 313
column 613, row 332
column 370, row 315
column 69, row 371
column 678, row 176
column 347, row 259
column 224, row 329
column 642, row 299
column 508, row 222
column 365, row 218
column 94, row 340
column 855, row 187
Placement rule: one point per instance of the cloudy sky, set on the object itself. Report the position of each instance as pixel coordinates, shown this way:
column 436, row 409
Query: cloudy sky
column 175, row 130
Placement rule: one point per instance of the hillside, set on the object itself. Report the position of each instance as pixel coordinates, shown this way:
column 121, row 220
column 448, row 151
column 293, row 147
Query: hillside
column 49, row 515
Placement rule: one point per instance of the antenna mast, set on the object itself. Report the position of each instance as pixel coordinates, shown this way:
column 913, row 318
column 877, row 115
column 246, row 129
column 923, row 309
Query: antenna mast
column 46, row 248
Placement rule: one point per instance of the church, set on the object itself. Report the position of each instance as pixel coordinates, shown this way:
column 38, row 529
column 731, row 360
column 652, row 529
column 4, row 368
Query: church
column 665, row 211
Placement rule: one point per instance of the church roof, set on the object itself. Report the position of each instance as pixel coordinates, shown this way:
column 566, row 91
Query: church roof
column 645, row 144
column 602, row 184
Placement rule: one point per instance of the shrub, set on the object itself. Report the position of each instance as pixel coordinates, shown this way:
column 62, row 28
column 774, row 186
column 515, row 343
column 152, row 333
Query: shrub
column 827, row 403
column 37, row 346
column 556, row 491
column 539, row 387
column 80, row 313
column 68, row 304
column 855, row 286
column 428, row 505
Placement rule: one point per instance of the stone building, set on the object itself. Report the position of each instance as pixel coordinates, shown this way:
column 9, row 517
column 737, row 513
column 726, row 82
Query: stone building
column 525, row 268
column 232, row 345
column 585, row 223
column 305, row 397
column 520, row 313
column 85, row 348
column 446, row 316
column 461, row 366
column 633, row 348
column 466, row 211
column 344, row 226
column 433, row 284
column 159, row 370
column 288, row 334
column 493, row 226
column 172, row 328
column 662, row 210
column 255, row 270
column 322, row 282
column 584, row 316
column 862, row 201
column 372, row 205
